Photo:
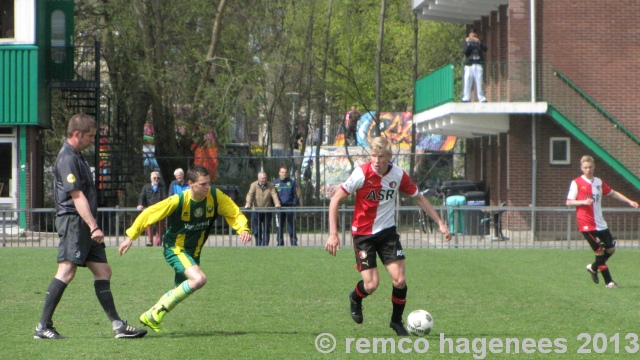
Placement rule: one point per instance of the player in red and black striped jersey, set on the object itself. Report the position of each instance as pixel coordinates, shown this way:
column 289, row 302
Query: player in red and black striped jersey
column 585, row 193
column 376, row 185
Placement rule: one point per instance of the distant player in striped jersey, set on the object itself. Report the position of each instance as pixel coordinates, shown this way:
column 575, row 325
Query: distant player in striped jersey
column 192, row 213
column 585, row 193
column 376, row 185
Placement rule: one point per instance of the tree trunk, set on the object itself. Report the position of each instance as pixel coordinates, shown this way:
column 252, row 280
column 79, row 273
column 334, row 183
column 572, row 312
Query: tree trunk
column 211, row 53
column 383, row 7
column 414, row 65
column 323, row 101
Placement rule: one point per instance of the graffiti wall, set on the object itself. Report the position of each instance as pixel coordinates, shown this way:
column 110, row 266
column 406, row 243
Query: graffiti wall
column 335, row 167
column 395, row 126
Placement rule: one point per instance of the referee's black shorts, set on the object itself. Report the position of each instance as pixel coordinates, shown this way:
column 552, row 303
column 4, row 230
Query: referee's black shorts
column 76, row 244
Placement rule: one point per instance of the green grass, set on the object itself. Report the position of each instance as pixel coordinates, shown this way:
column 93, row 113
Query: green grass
column 271, row 303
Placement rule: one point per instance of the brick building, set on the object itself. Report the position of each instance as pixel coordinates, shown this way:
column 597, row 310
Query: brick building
column 526, row 142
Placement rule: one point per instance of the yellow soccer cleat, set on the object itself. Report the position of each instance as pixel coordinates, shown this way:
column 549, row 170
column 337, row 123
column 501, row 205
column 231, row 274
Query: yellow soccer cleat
column 153, row 318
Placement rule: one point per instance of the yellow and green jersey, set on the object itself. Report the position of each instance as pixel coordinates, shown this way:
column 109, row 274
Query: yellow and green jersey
column 189, row 221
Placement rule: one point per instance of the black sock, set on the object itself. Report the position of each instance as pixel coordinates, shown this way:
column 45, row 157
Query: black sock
column 600, row 260
column 398, row 299
column 360, row 292
column 51, row 299
column 606, row 275
column 103, row 292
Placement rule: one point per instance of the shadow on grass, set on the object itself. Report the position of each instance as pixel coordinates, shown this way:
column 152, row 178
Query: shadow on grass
column 180, row 334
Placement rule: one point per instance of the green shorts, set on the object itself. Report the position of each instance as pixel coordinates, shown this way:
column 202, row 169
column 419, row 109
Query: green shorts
column 180, row 260
column 76, row 244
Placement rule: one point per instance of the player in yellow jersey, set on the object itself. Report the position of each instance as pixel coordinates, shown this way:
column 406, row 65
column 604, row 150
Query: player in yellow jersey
column 191, row 215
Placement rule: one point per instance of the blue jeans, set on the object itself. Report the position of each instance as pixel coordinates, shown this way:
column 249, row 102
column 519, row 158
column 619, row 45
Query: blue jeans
column 289, row 218
column 261, row 225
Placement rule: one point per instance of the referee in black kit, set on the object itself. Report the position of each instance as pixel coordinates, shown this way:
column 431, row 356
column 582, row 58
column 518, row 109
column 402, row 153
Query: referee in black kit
column 81, row 240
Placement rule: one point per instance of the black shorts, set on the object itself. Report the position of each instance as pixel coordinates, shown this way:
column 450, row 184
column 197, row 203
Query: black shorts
column 76, row 244
column 386, row 244
column 600, row 239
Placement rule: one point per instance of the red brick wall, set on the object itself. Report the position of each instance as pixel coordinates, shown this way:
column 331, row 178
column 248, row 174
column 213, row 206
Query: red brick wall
column 519, row 32
column 596, row 44
column 519, row 162
column 554, row 180
column 34, row 168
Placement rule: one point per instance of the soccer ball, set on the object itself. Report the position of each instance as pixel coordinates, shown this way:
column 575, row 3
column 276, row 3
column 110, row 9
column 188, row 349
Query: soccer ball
column 419, row 322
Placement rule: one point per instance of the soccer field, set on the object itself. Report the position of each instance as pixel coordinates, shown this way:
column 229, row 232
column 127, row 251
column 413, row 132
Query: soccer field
column 273, row 303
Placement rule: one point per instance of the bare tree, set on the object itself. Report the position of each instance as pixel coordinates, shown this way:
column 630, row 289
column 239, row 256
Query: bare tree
column 323, row 101
column 383, row 8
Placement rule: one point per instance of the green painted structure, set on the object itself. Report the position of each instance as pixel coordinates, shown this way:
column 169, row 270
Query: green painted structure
column 25, row 70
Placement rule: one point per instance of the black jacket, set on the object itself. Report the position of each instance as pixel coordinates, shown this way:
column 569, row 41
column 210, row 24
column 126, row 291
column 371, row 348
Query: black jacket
column 148, row 197
column 473, row 52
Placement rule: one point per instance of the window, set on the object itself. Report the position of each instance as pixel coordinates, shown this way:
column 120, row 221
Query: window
column 559, row 151
column 21, row 31
column 58, row 27
column 7, row 30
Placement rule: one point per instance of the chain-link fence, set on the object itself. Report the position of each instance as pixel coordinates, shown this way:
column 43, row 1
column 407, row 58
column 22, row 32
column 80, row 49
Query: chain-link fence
column 315, row 188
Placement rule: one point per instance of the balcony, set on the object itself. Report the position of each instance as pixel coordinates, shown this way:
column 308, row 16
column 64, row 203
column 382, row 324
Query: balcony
column 438, row 109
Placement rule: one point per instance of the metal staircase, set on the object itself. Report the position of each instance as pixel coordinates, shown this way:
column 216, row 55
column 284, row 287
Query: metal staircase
column 590, row 123
column 81, row 93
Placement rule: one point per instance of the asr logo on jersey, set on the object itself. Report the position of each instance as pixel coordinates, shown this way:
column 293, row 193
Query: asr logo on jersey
column 380, row 194
column 71, row 178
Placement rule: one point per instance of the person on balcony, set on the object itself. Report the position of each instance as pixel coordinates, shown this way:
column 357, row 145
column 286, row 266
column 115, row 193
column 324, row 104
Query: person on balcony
column 473, row 49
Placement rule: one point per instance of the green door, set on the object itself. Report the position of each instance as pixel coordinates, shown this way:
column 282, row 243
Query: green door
column 59, row 39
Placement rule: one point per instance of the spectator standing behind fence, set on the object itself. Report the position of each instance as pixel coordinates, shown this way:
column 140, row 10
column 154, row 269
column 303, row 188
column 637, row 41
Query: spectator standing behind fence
column 352, row 127
column 262, row 194
column 179, row 184
column 288, row 195
column 585, row 193
column 81, row 240
column 473, row 49
column 152, row 194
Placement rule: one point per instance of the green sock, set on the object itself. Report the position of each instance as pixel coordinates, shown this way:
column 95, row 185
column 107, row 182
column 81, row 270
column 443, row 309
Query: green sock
column 175, row 296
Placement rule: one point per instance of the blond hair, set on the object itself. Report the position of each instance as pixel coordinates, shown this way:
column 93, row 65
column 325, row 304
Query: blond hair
column 381, row 143
column 587, row 158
